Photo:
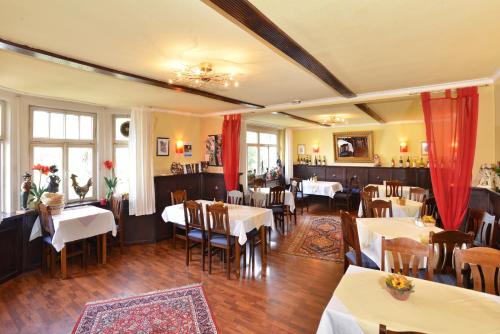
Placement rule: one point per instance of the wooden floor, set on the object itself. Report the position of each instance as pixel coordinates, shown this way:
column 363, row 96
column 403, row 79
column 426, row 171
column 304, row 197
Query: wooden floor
column 289, row 299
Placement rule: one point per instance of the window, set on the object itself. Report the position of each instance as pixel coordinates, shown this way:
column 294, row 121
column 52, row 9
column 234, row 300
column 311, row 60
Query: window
column 120, row 152
column 65, row 139
column 262, row 150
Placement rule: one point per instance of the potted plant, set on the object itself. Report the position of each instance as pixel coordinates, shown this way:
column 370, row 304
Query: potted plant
column 399, row 286
column 112, row 181
column 37, row 190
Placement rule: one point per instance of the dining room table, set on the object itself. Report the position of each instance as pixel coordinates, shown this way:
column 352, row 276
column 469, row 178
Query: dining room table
column 77, row 223
column 361, row 302
column 242, row 219
column 372, row 230
column 410, row 208
column 321, row 188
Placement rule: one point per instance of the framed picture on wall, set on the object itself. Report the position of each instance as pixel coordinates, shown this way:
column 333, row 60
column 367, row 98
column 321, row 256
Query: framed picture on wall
column 424, row 150
column 353, row 146
column 213, row 150
column 162, row 147
column 188, row 150
column 301, row 149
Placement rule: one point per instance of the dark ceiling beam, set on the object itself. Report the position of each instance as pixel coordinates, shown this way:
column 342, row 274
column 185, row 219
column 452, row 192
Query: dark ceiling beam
column 94, row 68
column 370, row 112
column 250, row 17
column 302, row 119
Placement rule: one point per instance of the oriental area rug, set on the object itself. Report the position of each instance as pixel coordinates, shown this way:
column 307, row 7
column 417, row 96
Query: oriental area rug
column 316, row 237
column 180, row 310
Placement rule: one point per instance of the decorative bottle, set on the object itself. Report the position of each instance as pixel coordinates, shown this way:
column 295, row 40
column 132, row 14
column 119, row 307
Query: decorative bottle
column 393, row 163
column 408, row 163
column 400, row 161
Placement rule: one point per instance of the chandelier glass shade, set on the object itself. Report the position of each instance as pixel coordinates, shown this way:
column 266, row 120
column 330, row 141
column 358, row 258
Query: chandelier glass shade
column 333, row 120
column 203, row 75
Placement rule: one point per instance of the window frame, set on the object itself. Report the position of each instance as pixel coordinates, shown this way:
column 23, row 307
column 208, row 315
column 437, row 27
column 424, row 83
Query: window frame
column 119, row 143
column 258, row 145
column 66, row 144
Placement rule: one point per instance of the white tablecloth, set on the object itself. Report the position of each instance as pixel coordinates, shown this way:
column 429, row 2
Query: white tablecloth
column 321, row 188
column 371, row 231
column 410, row 209
column 242, row 219
column 76, row 224
column 360, row 303
column 288, row 197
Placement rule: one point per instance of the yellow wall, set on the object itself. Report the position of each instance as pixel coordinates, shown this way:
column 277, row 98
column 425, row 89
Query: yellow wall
column 497, row 120
column 190, row 129
column 387, row 137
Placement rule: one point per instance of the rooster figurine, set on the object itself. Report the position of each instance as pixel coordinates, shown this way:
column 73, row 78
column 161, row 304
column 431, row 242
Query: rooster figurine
column 80, row 191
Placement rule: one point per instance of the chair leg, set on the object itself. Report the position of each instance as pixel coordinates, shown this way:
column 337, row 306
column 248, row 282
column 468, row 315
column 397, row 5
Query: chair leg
column 84, row 254
column 209, row 258
column 187, row 251
column 228, row 265
column 52, row 256
column 122, row 237
column 203, row 255
column 174, row 233
column 44, row 257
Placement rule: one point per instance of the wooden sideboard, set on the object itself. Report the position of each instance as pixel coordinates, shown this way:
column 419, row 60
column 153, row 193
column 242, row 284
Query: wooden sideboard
column 418, row 177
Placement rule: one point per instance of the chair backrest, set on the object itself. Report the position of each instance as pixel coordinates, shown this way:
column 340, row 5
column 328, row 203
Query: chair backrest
column 178, row 196
column 407, row 254
column 486, row 233
column 429, row 208
column 259, row 183
column 235, row 197
column 380, row 208
column 372, row 191
column 193, row 216
column 366, row 204
column 259, row 199
column 446, row 242
column 485, row 267
column 393, row 188
column 474, row 220
column 383, row 330
column 218, row 220
column 354, row 183
column 350, row 235
column 46, row 220
column 297, row 183
column 116, row 206
column 276, row 196
column 417, row 194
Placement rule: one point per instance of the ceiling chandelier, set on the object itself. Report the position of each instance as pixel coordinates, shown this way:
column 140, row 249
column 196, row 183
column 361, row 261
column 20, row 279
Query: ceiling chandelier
column 334, row 120
column 203, row 75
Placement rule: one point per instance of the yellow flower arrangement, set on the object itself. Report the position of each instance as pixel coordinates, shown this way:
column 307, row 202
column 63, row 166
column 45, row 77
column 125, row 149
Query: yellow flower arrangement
column 399, row 282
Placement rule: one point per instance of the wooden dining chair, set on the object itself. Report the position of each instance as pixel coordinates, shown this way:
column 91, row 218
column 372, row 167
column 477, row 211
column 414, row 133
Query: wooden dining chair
column 259, row 183
column 380, row 208
column 393, row 188
column 195, row 230
column 178, row 197
column 259, row 200
column 234, row 197
column 70, row 250
column 352, row 249
column 366, row 204
column 372, row 191
column 118, row 213
column 301, row 199
column 406, row 255
column 417, row 194
column 484, row 264
column 219, row 234
column 482, row 224
column 383, row 330
column 446, row 243
column 276, row 202
column 348, row 194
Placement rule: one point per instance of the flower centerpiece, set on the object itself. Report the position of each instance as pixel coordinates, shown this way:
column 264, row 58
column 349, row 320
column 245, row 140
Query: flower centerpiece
column 399, row 286
column 111, row 182
column 37, row 190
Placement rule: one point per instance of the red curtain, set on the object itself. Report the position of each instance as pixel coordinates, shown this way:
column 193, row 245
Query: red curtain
column 231, row 150
column 451, row 126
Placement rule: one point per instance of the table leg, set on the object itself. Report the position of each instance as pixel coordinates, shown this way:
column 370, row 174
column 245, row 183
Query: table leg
column 263, row 246
column 237, row 249
column 64, row 263
column 103, row 245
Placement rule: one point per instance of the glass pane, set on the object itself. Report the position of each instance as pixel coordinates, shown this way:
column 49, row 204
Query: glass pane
column 56, row 125
column 40, row 124
column 80, row 164
column 252, row 157
column 264, row 159
column 121, row 169
column 273, row 156
column 47, row 156
column 251, row 137
column 268, row 138
column 86, row 128
column 118, row 123
column 72, row 127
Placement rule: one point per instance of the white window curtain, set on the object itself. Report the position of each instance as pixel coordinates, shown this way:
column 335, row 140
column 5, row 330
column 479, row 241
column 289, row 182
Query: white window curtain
column 288, row 155
column 142, row 192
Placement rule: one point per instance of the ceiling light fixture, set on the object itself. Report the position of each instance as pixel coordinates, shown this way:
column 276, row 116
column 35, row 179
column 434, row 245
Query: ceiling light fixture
column 334, row 120
column 203, row 75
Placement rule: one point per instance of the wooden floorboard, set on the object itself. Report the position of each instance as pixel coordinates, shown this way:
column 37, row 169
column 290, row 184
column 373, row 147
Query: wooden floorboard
column 289, row 299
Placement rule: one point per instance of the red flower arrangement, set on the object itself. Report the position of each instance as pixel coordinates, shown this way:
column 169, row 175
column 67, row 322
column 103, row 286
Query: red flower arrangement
column 108, row 164
column 42, row 169
column 112, row 181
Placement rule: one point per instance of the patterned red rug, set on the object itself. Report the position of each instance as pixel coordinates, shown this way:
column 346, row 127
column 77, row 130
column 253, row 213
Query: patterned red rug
column 317, row 237
column 181, row 310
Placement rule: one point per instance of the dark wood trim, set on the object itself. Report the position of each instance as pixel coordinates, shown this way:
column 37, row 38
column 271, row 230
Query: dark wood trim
column 253, row 19
column 303, row 119
column 370, row 112
column 94, row 68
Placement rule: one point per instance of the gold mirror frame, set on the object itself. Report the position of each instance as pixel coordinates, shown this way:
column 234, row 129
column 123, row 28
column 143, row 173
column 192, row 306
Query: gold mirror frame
column 367, row 134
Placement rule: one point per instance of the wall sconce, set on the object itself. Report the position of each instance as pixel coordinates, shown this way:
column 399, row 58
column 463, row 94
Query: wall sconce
column 179, row 147
column 315, row 148
column 403, row 147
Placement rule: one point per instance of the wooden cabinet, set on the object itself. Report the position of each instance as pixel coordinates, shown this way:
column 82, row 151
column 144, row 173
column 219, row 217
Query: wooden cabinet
column 379, row 175
column 10, row 248
column 335, row 174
